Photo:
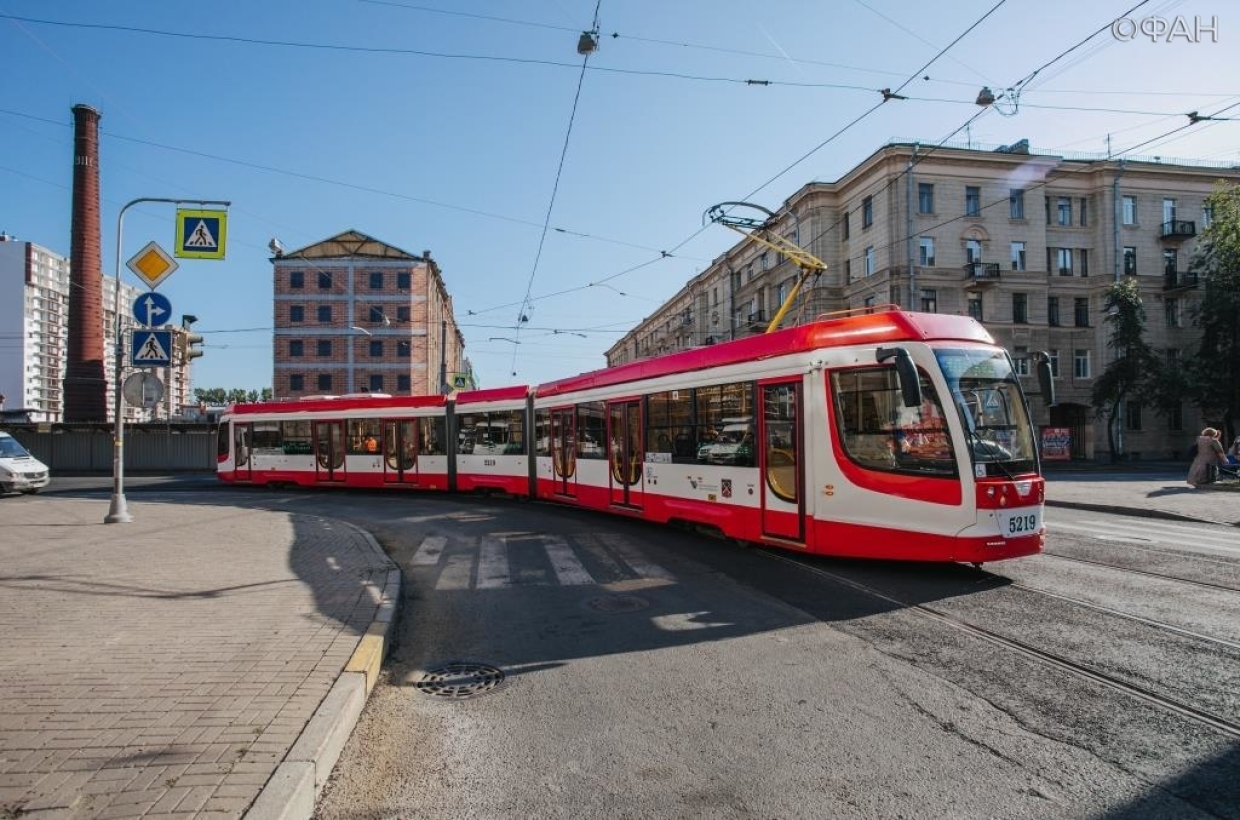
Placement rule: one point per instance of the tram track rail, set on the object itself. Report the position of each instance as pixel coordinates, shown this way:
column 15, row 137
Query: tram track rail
column 1217, row 723
column 1147, row 573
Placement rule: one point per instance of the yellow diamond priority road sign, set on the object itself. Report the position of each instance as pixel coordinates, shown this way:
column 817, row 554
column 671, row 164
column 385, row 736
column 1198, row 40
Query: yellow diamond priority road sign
column 152, row 264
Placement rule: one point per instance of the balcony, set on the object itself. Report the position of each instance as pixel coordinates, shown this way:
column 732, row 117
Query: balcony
column 982, row 273
column 1179, row 229
column 1179, row 280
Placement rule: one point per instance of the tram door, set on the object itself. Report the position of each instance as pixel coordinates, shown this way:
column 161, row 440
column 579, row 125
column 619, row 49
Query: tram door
column 625, row 452
column 329, row 450
column 400, row 451
column 243, row 434
column 781, row 461
column 564, row 451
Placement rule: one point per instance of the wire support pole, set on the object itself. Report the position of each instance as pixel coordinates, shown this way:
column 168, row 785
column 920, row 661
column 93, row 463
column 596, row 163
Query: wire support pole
column 118, row 511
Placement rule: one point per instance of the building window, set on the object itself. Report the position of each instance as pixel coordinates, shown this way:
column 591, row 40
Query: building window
column 1063, row 206
column 1020, row 308
column 1084, row 253
column 847, row 271
column 869, row 260
column 376, row 348
column 972, row 251
column 925, row 251
column 376, row 382
column 1081, row 311
column 1016, row 203
column 867, row 212
column 325, row 382
column 377, row 315
column 1132, row 415
column 297, row 279
column 925, row 198
column 1020, row 360
column 1207, row 215
column 297, row 382
column 975, row 306
column 297, row 313
column 972, row 200
column 1175, row 418
column 765, row 260
column 1171, row 261
column 325, row 314
column 1053, row 355
column 402, row 280
column 1063, row 261
column 1130, row 210
column 1172, row 309
column 847, row 226
column 325, row 280
column 296, row 347
column 929, row 300
column 323, row 348
column 1168, row 210
column 402, row 382
column 870, row 302
column 376, row 280
column 1052, row 311
column 1080, row 364
column 403, row 349
column 1082, row 202
column 1130, row 261
column 1018, row 256
column 402, row 313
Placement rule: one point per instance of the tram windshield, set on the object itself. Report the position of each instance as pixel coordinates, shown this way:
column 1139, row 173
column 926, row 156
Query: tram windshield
column 992, row 410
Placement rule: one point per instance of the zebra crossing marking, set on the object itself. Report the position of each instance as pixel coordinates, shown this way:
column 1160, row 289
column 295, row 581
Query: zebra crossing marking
column 493, row 563
column 568, row 569
column 456, row 573
column 636, row 561
column 429, row 551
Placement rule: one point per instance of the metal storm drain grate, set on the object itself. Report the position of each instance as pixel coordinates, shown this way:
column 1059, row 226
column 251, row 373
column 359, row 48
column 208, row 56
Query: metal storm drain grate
column 617, row 603
column 460, row 679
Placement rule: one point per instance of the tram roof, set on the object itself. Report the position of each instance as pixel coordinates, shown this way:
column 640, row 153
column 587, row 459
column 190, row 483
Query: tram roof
column 337, row 403
column 883, row 327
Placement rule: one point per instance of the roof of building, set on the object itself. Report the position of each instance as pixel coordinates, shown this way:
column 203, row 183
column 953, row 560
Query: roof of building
column 351, row 244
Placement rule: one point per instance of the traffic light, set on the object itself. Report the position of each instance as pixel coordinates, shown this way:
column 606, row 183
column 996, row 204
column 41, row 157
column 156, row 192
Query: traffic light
column 186, row 349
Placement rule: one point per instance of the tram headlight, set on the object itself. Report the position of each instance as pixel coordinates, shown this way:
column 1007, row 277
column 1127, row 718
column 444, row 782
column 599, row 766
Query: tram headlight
column 990, row 491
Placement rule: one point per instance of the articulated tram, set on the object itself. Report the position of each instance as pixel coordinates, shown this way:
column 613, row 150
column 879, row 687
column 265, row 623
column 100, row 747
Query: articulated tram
column 891, row 435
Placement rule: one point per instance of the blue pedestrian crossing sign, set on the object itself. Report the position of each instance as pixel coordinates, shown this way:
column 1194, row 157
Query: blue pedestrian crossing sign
column 201, row 234
column 150, row 348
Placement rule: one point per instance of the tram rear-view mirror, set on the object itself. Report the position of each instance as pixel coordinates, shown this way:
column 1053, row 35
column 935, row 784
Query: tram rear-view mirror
column 906, row 374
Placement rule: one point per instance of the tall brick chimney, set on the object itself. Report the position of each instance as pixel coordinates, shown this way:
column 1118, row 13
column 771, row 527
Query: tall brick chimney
column 86, row 384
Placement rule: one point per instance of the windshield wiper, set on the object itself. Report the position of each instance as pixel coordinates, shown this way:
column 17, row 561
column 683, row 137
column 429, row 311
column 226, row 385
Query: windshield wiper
column 993, row 449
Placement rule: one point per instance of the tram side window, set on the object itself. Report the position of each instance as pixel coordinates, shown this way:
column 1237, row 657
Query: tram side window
column 221, row 441
column 669, row 425
column 542, row 433
column 267, row 439
column 492, row 434
column 723, row 433
column 363, row 437
column 433, row 437
column 878, row 432
column 591, row 429
column 295, row 438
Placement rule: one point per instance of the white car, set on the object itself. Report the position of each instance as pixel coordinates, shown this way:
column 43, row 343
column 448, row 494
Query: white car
column 20, row 471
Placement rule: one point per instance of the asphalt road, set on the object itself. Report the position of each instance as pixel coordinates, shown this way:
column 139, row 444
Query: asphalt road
column 652, row 672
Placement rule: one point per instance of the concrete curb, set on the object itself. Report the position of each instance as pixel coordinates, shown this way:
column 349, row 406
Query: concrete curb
column 1137, row 512
column 294, row 788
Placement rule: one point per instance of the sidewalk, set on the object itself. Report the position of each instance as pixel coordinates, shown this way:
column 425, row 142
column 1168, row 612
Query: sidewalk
column 1149, row 489
column 202, row 661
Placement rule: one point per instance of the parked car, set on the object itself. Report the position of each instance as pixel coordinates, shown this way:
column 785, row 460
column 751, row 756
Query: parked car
column 20, row 471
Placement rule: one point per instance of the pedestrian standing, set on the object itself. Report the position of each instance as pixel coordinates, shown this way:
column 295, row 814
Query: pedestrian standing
column 1209, row 455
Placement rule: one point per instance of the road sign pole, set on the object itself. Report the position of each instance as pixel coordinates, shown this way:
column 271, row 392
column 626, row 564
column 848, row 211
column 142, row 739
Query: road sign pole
column 118, row 511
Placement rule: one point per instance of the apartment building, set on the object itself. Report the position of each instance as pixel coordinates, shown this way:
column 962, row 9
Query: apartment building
column 34, row 332
column 357, row 315
column 1026, row 243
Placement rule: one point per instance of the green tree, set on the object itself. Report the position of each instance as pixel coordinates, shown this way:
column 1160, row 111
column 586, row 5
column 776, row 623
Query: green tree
column 209, row 395
column 1136, row 368
column 1215, row 370
column 237, row 395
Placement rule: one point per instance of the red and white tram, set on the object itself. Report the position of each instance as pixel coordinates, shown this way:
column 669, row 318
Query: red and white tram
column 886, row 435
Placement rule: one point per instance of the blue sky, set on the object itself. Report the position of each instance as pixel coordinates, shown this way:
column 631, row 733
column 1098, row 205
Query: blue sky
column 440, row 125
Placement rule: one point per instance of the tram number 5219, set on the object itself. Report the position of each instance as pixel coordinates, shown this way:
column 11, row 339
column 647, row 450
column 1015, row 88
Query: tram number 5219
column 1016, row 524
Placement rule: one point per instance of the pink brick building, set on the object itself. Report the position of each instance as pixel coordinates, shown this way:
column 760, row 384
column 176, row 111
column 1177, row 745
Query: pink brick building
column 356, row 315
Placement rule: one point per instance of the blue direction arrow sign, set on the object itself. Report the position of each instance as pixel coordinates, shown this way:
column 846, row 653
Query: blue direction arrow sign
column 152, row 309
column 150, row 348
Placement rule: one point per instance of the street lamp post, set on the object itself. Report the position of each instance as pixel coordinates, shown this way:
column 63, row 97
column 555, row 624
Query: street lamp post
column 118, row 512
